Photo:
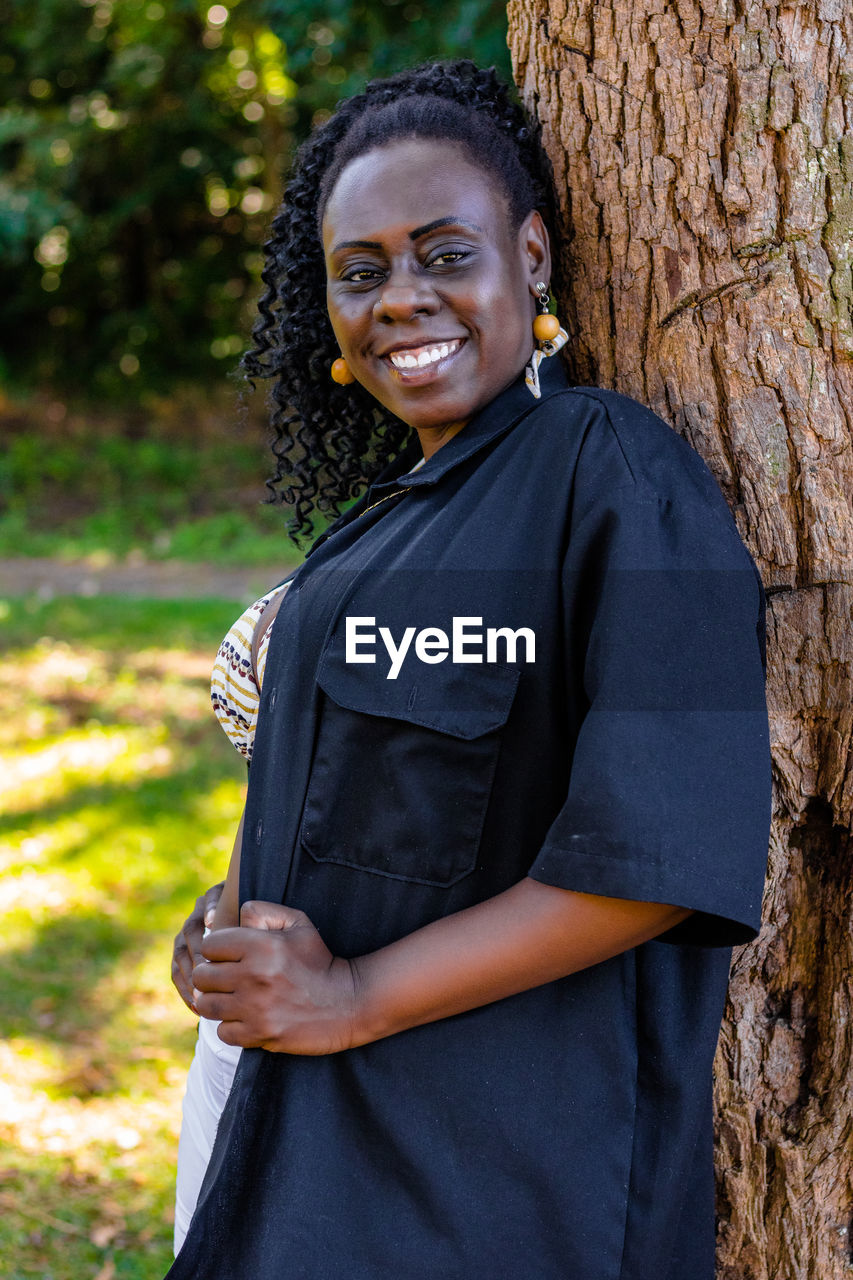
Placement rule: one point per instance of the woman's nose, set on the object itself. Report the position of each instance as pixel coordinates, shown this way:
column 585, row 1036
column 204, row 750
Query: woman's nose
column 402, row 299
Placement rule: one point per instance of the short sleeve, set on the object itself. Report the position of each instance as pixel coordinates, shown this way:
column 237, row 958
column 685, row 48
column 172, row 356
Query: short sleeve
column 669, row 794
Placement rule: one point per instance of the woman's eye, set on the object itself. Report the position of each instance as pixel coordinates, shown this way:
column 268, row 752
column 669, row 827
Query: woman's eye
column 447, row 258
column 361, row 275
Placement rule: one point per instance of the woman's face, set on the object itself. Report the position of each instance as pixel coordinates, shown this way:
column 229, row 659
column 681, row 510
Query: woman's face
column 430, row 291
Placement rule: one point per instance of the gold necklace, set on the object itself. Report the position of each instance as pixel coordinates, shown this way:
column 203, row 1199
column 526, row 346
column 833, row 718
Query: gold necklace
column 395, row 494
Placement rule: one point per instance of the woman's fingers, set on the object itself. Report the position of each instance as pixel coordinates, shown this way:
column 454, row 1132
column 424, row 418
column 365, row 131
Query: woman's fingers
column 213, row 987
column 278, row 980
column 235, row 943
column 182, row 970
column 211, row 901
column 186, row 949
column 271, row 915
column 235, row 1033
column 223, row 945
column 185, row 953
column 214, row 977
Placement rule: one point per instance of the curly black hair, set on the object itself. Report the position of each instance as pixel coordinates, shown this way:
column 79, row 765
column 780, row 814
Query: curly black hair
column 331, row 441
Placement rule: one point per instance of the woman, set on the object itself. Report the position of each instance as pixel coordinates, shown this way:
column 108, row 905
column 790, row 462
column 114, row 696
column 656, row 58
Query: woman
column 511, row 772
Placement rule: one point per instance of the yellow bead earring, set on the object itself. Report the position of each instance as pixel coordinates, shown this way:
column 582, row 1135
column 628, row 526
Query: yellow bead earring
column 545, row 326
column 341, row 372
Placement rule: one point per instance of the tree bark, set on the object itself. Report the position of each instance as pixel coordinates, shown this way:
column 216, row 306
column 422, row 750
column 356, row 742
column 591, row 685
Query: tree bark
column 703, row 155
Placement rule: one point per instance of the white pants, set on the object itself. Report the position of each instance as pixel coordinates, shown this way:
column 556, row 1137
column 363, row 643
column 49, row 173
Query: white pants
column 208, row 1085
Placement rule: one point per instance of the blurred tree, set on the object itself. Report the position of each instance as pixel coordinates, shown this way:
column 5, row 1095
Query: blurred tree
column 142, row 147
column 334, row 48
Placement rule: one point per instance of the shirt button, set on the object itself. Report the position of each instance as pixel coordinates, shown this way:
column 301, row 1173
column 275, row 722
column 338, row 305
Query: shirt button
column 259, row 831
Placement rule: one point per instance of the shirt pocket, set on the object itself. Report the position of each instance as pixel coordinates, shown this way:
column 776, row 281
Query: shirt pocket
column 403, row 771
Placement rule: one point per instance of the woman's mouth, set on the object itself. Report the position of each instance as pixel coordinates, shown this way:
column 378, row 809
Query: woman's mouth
column 419, row 364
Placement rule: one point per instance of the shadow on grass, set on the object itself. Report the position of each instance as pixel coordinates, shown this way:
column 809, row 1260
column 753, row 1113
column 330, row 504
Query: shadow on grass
column 66, row 989
column 65, row 986
column 118, row 858
column 66, row 961
column 59, row 1222
column 181, row 794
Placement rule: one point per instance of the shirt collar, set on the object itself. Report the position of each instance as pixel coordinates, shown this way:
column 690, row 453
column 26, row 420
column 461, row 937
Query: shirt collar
column 498, row 416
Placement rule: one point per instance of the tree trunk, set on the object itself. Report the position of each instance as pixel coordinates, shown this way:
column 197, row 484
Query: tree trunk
column 704, row 162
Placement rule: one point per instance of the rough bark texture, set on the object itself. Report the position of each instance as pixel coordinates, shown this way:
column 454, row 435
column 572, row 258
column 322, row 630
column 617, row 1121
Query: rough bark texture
column 703, row 153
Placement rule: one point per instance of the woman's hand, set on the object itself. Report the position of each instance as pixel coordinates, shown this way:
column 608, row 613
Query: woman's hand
column 185, row 951
column 275, row 985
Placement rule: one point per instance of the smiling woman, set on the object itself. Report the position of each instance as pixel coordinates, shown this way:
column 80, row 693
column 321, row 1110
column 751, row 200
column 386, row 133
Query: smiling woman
column 475, row 934
column 432, row 300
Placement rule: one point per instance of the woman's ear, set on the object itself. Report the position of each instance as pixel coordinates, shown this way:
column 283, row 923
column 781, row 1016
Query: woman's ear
column 536, row 247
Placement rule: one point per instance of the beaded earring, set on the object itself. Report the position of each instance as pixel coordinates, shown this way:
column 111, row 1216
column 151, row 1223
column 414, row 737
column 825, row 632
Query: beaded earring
column 545, row 326
column 550, row 335
column 341, row 372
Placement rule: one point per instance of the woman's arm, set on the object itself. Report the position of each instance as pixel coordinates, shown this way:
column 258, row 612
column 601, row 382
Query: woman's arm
column 530, row 934
column 275, row 984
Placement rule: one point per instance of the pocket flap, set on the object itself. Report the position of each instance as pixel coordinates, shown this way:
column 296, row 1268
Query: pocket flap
column 460, row 699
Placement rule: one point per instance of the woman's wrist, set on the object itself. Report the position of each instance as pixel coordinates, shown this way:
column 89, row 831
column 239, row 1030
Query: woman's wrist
column 369, row 1019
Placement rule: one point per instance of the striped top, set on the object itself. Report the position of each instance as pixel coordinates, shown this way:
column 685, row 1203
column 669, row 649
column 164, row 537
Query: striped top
column 234, row 691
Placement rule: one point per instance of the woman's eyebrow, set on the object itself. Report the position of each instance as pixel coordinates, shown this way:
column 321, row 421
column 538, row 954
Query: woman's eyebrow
column 443, row 222
column 413, row 235
column 357, row 244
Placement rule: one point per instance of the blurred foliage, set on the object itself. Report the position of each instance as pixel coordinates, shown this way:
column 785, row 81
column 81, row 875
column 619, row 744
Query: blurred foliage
column 142, row 149
column 177, row 478
column 119, row 798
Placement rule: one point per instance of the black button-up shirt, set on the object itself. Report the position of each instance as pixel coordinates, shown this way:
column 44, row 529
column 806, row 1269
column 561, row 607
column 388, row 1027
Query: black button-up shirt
column 581, row 700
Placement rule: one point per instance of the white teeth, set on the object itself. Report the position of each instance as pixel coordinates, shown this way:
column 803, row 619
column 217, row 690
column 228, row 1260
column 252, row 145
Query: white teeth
column 427, row 356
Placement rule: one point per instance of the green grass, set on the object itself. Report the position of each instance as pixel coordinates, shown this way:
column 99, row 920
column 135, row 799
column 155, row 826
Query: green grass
column 119, row 800
column 172, row 479
column 232, row 539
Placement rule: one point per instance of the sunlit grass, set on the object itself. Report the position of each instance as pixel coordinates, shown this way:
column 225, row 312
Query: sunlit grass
column 119, row 797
